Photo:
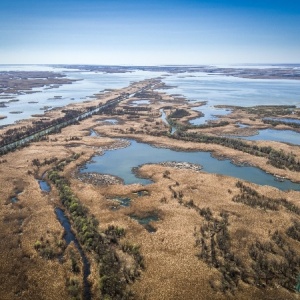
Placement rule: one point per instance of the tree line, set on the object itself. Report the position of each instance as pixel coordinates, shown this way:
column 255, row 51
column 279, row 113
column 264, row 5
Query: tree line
column 113, row 277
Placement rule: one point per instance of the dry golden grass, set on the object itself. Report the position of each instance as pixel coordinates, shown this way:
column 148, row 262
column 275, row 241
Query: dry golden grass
column 173, row 271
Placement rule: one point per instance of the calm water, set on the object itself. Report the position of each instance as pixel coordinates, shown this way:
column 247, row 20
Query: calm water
column 286, row 136
column 44, row 186
column 215, row 89
column 111, row 121
column 146, row 221
column 89, row 84
column 210, row 113
column 228, row 90
column 286, row 120
column 69, row 237
column 140, row 102
column 121, row 161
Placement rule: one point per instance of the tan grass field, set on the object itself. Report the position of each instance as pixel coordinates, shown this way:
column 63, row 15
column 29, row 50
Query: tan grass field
column 173, row 269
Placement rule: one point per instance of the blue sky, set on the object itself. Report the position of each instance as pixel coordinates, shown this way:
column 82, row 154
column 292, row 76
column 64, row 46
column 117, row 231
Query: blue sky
column 149, row 32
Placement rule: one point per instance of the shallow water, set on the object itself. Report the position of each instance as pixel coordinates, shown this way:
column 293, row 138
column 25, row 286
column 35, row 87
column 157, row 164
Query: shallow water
column 210, row 113
column 14, row 199
column 111, row 121
column 44, row 186
column 285, row 120
column 145, row 221
column 121, row 161
column 241, row 125
column 140, row 102
column 164, row 119
column 124, row 201
column 228, row 90
column 285, row 136
column 88, row 84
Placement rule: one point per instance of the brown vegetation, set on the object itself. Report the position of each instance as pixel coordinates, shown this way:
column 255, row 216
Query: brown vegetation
column 212, row 238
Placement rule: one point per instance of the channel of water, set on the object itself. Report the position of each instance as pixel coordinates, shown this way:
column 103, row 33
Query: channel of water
column 69, row 237
column 164, row 119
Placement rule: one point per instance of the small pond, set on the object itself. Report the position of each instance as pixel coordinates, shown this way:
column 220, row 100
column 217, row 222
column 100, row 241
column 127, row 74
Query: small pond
column 110, row 121
column 145, row 221
column 123, row 201
column 14, row 199
column 140, row 102
column 93, row 133
column 241, row 125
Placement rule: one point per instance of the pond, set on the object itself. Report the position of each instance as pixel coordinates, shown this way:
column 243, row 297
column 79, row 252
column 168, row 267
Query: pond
column 123, row 201
column 241, row 125
column 145, row 221
column 121, row 162
column 210, row 113
column 140, row 102
column 110, row 121
column 14, row 199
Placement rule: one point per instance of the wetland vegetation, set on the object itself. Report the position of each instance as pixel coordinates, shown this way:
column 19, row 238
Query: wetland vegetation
column 169, row 216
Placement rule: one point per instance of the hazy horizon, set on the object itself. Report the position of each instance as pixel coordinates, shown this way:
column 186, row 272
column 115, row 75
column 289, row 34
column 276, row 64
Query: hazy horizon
column 153, row 33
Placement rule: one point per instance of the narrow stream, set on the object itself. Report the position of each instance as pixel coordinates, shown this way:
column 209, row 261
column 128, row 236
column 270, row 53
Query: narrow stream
column 164, row 119
column 70, row 237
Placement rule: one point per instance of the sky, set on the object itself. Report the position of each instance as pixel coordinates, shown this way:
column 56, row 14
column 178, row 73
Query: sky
column 152, row 32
